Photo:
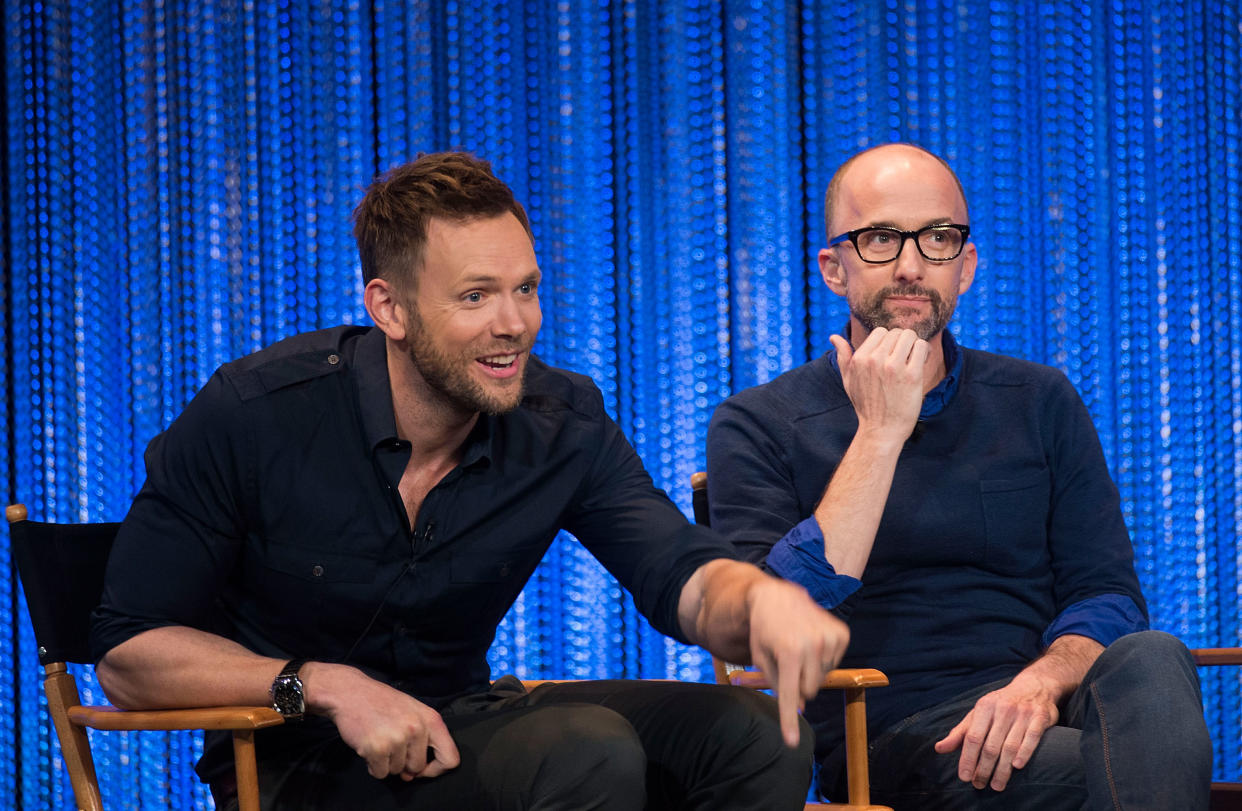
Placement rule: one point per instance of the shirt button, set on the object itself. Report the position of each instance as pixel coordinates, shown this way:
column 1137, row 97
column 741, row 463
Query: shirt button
column 317, row 570
column 334, row 360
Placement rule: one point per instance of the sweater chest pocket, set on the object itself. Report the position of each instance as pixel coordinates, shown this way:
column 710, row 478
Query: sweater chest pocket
column 1015, row 514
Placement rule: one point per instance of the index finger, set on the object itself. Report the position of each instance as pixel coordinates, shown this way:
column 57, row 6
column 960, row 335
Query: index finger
column 972, row 746
column 920, row 351
column 442, row 753
column 788, row 702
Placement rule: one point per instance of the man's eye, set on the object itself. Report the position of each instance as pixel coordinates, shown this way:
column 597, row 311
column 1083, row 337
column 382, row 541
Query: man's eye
column 475, row 297
column 526, row 289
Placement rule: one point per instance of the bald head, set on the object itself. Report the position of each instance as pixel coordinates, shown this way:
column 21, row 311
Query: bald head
column 879, row 164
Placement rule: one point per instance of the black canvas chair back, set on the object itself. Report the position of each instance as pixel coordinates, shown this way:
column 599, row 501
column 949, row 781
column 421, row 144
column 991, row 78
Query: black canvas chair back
column 698, row 498
column 62, row 571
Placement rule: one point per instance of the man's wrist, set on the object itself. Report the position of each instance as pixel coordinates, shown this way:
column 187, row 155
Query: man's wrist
column 1063, row 666
column 328, row 685
column 882, row 440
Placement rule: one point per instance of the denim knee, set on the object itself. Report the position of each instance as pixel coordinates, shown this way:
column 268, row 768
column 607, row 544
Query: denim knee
column 1151, row 648
column 1145, row 743
column 1155, row 661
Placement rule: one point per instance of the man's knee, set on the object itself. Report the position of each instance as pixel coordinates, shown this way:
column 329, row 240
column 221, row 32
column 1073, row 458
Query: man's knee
column 747, row 726
column 1154, row 662
column 1151, row 649
column 584, row 755
column 1144, row 736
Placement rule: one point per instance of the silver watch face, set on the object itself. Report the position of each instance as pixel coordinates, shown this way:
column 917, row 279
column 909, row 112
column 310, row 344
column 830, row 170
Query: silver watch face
column 287, row 697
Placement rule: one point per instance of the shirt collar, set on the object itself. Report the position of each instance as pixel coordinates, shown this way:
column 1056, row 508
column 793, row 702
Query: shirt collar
column 379, row 423
column 940, row 395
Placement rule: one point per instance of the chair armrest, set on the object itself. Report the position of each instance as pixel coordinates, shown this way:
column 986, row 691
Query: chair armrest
column 1217, row 656
column 107, row 717
column 833, row 679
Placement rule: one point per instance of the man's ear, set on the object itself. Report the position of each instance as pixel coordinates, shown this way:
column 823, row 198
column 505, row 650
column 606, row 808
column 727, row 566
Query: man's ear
column 386, row 308
column 969, row 261
column 832, row 271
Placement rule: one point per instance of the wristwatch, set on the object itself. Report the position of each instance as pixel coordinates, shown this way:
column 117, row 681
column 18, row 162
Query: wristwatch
column 287, row 696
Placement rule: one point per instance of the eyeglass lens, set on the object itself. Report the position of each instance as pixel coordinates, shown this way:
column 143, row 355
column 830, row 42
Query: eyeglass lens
column 884, row 244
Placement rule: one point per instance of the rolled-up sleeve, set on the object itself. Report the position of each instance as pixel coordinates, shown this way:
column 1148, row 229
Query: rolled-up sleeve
column 1104, row 618
column 799, row 557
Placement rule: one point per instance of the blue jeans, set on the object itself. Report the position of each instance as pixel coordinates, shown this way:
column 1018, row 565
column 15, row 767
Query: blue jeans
column 1132, row 736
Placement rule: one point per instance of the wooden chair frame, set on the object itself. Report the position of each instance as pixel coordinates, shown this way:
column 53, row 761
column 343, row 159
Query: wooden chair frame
column 1225, row 796
column 71, row 719
column 852, row 681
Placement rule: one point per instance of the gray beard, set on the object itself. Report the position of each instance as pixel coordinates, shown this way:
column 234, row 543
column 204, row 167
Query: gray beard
column 872, row 313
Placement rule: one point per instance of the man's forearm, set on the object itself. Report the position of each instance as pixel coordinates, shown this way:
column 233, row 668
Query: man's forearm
column 176, row 666
column 713, row 611
column 853, row 503
column 723, row 600
column 743, row 615
column 1063, row 665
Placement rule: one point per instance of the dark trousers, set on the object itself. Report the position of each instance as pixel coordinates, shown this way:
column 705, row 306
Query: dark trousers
column 1132, row 736
column 580, row 745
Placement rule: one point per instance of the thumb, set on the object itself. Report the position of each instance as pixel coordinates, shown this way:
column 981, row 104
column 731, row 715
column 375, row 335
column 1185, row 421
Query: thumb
column 845, row 352
column 953, row 740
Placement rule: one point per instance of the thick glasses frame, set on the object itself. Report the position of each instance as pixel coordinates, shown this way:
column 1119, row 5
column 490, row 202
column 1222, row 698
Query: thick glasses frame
column 852, row 236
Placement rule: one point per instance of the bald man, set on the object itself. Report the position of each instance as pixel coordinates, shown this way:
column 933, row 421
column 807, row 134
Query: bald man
column 955, row 506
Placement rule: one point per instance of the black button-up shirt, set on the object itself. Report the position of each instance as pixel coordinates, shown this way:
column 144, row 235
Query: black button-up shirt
column 271, row 516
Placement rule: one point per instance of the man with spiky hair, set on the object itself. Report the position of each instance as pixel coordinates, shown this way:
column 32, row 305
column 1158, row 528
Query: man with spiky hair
column 337, row 524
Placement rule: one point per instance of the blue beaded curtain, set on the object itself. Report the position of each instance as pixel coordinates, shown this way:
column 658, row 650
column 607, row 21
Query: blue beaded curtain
column 178, row 179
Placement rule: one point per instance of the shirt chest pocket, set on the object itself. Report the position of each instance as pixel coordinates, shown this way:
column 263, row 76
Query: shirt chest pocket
column 1015, row 514
column 313, row 588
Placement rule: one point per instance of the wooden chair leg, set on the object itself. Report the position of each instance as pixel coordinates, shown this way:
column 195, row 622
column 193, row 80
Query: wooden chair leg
column 247, row 770
column 857, row 771
column 62, row 693
column 856, row 768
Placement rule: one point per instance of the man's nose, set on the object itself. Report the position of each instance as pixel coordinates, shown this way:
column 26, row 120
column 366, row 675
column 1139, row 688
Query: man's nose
column 909, row 266
column 509, row 321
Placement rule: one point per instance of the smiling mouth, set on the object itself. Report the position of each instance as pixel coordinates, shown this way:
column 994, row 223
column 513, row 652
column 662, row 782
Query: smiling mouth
column 499, row 361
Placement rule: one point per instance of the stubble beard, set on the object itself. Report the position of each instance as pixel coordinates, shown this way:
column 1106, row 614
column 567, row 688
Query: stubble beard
column 872, row 313
column 449, row 377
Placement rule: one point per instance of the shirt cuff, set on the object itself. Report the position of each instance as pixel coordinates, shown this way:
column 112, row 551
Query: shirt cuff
column 799, row 557
column 1104, row 618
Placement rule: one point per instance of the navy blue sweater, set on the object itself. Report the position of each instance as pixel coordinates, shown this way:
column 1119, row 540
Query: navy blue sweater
column 1001, row 516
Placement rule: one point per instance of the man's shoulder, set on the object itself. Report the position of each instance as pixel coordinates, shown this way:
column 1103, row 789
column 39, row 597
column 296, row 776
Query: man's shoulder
column 811, row 388
column 293, row 360
column 1005, row 371
column 550, row 389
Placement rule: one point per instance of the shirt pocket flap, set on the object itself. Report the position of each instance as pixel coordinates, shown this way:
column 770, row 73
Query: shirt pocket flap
column 320, row 566
column 469, row 569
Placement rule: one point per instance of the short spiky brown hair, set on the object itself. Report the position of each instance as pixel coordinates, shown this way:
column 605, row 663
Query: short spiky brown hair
column 390, row 224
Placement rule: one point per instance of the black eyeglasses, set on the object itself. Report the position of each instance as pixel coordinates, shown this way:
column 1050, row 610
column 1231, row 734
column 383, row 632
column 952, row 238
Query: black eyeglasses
column 937, row 243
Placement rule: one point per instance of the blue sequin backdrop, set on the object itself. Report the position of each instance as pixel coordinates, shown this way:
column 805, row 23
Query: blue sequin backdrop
column 178, row 178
